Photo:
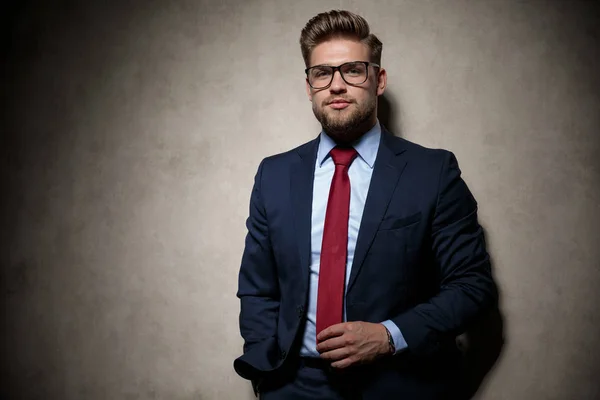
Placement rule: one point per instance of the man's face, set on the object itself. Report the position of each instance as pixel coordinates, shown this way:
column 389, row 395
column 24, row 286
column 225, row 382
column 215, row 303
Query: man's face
column 345, row 111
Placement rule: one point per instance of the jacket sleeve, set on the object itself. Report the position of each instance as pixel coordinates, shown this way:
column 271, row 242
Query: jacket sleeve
column 258, row 291
column 466, row 284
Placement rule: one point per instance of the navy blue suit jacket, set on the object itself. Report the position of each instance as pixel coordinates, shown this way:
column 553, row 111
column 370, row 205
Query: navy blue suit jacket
column 420, row 261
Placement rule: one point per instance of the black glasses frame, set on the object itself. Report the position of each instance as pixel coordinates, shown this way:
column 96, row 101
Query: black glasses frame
column 338, row 68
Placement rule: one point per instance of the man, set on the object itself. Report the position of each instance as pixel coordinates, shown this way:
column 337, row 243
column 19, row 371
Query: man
column 364, row 258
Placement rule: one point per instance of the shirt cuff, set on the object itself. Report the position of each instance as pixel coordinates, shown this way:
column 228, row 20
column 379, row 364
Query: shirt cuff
column 397, row 337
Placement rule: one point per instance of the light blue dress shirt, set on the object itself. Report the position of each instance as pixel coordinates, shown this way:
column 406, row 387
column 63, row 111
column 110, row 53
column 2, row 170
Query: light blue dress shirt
column 360, row 172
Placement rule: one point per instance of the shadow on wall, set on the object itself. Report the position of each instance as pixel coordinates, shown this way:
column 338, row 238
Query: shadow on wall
column 482, row 342
column 386, row 117
column 481, row 345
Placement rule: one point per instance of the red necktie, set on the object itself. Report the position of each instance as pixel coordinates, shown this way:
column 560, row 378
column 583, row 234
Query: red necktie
column 334, row 248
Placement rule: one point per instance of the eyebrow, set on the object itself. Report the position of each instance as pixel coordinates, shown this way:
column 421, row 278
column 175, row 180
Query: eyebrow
column 331, row 65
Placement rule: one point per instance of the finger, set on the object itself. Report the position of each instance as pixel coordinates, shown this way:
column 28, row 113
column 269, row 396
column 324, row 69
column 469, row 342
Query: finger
column 336, row 355
column 343, row 363
column 332, row 331
column 332, row 344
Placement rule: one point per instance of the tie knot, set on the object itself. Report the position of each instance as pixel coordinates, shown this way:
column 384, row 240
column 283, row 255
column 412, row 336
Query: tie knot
column 343, row 155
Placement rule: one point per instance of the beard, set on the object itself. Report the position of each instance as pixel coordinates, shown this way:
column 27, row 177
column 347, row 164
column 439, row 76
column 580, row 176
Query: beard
column 346, row 125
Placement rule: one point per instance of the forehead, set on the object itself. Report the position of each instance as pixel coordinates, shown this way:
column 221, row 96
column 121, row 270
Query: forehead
column 338, row 51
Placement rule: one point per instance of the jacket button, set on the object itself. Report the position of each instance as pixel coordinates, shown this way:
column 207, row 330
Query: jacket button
column 283, row 354
column 300, row 311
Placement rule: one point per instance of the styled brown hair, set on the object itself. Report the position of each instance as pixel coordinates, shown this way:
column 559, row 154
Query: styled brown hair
column 338, row 23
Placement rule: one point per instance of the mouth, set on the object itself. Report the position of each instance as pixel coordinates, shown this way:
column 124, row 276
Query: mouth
column 339, row 104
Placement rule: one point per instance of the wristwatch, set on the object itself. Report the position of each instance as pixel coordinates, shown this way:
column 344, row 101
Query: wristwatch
column 390, row 341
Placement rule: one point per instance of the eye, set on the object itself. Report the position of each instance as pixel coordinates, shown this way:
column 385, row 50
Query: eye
column 354, row 70
column 320, row 73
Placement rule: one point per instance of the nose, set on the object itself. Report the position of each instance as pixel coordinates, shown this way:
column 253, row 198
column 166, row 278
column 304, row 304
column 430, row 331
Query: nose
column 337, row 84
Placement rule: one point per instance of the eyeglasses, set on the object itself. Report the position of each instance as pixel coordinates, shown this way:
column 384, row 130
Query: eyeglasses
column 353, row 73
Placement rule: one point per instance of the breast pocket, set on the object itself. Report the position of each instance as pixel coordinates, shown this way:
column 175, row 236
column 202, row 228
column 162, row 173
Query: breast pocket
column 393, row 223
column 393, row 251
column 398, row 238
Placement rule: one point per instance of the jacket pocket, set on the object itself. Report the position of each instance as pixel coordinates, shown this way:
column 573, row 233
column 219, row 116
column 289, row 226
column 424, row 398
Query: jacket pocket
column 390, row 223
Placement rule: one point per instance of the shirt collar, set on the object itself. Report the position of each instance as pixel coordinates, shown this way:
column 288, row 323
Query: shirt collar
column 366, row 146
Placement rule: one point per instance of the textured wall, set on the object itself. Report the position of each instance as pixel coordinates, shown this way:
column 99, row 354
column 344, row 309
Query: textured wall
column 131, row 133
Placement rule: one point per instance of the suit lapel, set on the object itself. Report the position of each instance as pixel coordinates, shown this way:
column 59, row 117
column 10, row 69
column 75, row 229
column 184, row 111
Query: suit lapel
column 388, row 167
column 301, row 190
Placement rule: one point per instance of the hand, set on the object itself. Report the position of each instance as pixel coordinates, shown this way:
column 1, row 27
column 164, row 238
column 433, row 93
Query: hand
column 352, row 343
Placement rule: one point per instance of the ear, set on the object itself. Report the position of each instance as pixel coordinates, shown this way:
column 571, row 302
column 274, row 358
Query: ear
column 308, row 90
column 381, row 81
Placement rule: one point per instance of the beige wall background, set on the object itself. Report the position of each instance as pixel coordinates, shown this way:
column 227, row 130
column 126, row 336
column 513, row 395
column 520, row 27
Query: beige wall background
column 132, row 131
